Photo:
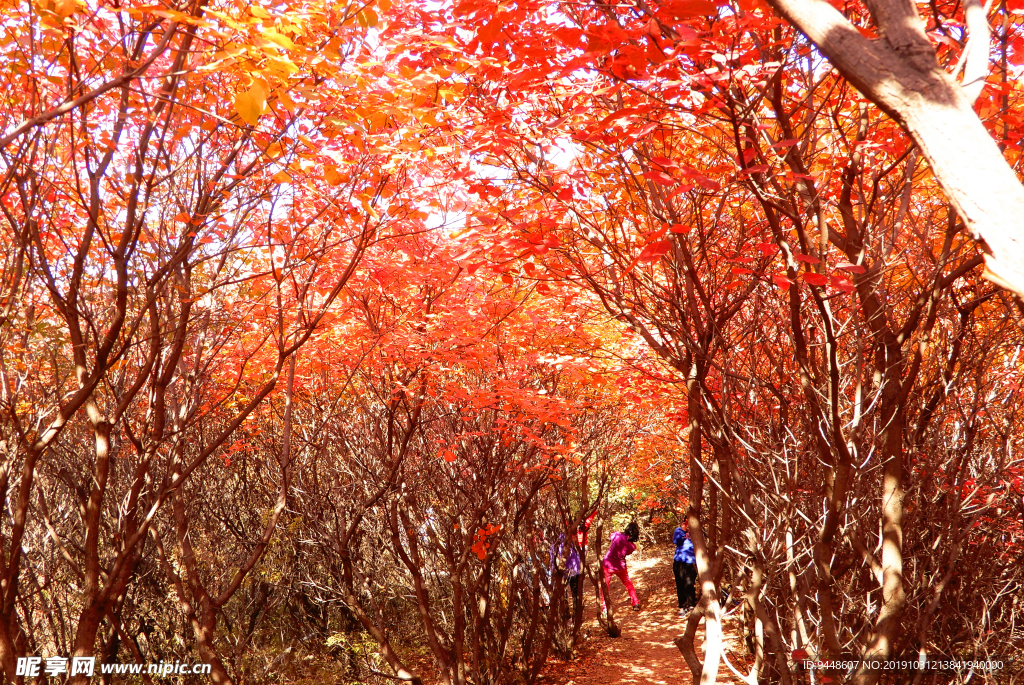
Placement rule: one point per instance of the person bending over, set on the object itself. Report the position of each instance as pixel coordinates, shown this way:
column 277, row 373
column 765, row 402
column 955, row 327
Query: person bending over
column 622, row 545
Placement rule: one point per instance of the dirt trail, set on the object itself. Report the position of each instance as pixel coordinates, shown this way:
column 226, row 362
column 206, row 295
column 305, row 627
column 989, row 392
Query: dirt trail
column 645, row 654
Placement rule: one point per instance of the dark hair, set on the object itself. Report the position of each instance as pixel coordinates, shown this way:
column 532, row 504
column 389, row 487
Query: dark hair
column 632, row 532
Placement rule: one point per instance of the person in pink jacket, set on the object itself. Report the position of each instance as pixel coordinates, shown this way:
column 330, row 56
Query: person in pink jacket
column 622, row 545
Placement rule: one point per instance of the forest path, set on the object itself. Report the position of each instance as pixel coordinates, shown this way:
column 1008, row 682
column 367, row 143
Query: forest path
column 645, row 654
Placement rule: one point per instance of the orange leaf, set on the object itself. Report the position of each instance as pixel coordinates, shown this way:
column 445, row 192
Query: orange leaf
column 251, row 104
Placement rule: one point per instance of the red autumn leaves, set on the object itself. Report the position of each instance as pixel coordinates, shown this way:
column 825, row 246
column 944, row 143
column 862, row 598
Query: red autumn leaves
column 480, row 544
column 815, row 278
column 659, row 246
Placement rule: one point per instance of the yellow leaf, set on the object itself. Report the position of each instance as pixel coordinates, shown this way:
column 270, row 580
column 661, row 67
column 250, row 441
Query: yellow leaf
column 286, row 101
column 258, row 11
column 282, row 65
column 261, row 87
column 280, row 39
column 364, row 200
column 220, row 15
column 250, row 104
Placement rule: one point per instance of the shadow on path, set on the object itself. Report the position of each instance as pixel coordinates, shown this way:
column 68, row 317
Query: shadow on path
column 645, row 654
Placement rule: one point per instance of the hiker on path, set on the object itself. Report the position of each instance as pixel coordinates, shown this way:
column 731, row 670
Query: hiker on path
column 684, row 567
column 622, row 545
column 573, row 564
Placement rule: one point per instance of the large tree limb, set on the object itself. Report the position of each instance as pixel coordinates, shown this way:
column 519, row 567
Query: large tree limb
column 900, row 74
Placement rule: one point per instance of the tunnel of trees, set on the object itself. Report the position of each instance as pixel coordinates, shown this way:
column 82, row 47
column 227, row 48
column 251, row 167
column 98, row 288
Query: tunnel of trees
column 325, row 324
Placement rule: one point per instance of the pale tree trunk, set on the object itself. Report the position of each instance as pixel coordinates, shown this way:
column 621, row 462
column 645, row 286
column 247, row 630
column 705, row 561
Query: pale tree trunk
column 900, row 74
column 705, row 563
column 710, row 604
column 893, row 595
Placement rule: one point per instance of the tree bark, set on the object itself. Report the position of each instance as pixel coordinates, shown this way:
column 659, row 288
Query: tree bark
column 900, row 74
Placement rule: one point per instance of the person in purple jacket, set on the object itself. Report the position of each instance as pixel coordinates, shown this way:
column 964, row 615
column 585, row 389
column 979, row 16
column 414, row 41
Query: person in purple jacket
column 574, row 564
column 622, row 545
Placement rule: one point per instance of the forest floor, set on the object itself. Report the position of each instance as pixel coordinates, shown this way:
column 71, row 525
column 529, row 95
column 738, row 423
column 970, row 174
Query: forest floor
column 645, row 654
